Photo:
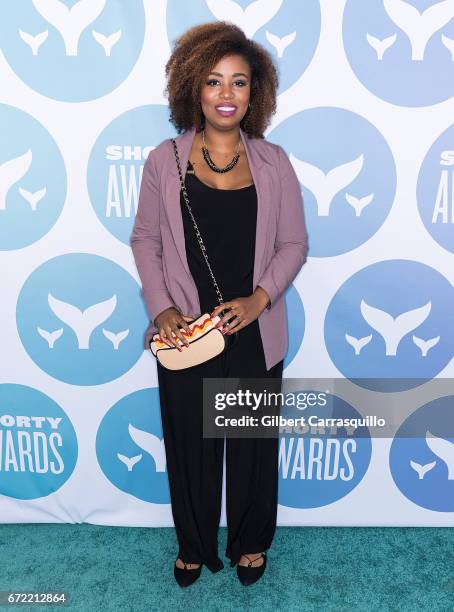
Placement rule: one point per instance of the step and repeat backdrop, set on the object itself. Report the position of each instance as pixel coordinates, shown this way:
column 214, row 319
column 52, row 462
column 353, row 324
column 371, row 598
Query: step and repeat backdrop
column 366, row 115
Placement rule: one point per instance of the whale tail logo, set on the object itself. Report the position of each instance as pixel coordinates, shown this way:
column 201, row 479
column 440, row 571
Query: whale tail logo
column 381, row 45
column 419, row 27
column 280, row 44
column 10, row 172
column 444, row 449
column 358, row 343
column 33, row 197
column 70, row 22
column 422, row 470
column 393, row 329
column 34, row 42
column 129, row 462
column 326, row 186
column 50, row 337
column 359, row 204
column 425, row 345
column 107, row 42
column 116, row 339
column 83, row 323
column 250, row 19
column 151, row 444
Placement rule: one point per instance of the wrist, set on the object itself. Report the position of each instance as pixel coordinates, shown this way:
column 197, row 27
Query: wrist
column 165, row 310
column 261, row 294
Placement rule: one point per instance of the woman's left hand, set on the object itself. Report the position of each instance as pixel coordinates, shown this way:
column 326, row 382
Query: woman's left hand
column 242, row 311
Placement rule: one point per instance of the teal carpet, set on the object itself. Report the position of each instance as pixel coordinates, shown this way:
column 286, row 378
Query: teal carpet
column 309, row 568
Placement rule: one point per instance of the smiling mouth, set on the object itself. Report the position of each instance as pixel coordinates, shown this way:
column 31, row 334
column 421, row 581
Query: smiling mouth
column 226, row 110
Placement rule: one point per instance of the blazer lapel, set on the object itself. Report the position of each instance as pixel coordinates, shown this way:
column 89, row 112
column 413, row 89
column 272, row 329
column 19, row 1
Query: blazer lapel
column 261, row 180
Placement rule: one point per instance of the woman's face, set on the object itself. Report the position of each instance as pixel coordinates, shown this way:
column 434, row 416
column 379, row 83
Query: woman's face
column 227, row 86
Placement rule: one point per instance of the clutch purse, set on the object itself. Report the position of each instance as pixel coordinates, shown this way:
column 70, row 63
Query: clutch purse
column 205, row 340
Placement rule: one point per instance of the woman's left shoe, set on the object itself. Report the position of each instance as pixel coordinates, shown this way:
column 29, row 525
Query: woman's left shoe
column 185, row 576
column 249, row 574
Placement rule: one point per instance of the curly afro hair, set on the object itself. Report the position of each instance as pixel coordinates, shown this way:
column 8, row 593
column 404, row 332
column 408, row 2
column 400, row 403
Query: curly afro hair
column 195, row 54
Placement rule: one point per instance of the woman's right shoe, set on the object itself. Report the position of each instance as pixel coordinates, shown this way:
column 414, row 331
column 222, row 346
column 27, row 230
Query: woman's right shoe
column 185, row 576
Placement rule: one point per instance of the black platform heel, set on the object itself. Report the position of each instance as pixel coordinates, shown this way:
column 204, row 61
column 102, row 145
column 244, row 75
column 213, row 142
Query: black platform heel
column 250, row 574
column 185, row 576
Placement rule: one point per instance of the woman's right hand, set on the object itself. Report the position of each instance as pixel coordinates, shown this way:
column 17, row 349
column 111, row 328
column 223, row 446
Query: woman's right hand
column 167, row 323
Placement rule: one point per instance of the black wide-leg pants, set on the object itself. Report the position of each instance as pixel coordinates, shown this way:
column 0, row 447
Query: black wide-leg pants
column 195, row 464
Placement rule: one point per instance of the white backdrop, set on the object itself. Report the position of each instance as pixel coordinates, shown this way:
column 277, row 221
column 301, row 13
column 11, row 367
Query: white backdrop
column 365, row 113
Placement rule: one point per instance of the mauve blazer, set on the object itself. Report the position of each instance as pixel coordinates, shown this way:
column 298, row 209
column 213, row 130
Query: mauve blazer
column 281, row 244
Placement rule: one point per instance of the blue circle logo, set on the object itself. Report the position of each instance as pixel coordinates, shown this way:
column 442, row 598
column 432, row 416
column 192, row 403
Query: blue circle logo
column 348, row 179
column 116, row 164
column 325, row 465
column 38, row 444
column 130, row 447
column 391, row 320
column 402, row 51
column 436, row 192
column 72, row 50
column 422, row 456
column 32, row 180
column 272, row 24
column 81, row 319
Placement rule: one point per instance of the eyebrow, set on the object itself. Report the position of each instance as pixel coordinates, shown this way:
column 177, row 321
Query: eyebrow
column 236, row 74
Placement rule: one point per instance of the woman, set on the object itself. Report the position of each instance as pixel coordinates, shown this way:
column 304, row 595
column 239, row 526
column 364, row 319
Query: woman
column 246, row 200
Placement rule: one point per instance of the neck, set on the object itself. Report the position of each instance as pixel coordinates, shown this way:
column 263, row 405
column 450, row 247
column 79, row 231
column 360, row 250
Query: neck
column 224, row 141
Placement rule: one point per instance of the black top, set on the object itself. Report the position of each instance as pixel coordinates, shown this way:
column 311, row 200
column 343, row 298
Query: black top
column 226, row 219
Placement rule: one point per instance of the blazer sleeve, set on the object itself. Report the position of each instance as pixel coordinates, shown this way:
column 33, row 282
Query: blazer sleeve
column 146, row 243
column 291, row 244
